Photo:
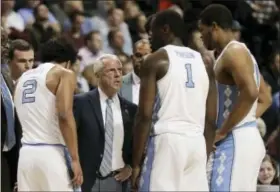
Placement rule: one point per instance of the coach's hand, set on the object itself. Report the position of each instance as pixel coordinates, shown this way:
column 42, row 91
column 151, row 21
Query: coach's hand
column 78, row 174
column 124, row 173
column 135, row 179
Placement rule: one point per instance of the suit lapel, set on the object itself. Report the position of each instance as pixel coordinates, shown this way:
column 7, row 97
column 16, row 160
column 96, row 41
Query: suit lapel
column 96, row 106
column 124, row 111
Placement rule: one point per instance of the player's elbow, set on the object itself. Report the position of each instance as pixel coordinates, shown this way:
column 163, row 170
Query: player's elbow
column 252, row 94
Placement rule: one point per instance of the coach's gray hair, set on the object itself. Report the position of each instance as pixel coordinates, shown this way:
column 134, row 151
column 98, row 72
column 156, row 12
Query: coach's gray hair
column 99, row 64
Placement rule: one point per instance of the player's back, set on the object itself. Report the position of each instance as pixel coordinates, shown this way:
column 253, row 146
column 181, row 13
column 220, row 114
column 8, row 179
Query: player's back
column 36, row 107
column 180, row 105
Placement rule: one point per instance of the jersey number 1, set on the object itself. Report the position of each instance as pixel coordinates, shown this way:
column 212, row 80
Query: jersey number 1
column 30, row 87
column 189, row 83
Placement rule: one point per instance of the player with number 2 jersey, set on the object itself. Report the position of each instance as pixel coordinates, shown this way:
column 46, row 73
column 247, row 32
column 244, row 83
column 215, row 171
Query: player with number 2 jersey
column 43, row 99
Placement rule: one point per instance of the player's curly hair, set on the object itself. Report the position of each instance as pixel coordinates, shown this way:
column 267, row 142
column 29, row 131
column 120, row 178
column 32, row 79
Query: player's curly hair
column 58, row 50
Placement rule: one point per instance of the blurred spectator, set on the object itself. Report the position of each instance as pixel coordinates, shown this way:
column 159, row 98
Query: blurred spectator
column 75, row 35
column 268, row 174
column 99, row 20
column 82, row 85
column 114, row 22
column 131, row 82
column 21, row 58
column 42, row 29
column 272, row 72
column 28, row 16
column 77, row 6
column 116, row 42
column 127, row 65
column 137, row 28
column 10, row 18
column 273, row 147
column 262, row 9
column 92, row 49
column 131, row 10
column 89, row 75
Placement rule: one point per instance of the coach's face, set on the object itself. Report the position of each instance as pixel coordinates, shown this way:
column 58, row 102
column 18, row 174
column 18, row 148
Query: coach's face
column 21, row 62
column 209, row 35
column 111, row 76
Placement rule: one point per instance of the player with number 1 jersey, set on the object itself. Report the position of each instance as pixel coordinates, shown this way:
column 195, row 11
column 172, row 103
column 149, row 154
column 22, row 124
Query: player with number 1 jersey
column 174, row 79
column 43, row 99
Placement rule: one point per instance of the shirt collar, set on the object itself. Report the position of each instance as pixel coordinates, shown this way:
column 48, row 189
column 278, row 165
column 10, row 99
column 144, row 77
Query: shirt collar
column 135, row 78
column 104, row 97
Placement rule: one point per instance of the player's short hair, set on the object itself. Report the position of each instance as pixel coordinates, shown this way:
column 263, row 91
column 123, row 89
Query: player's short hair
column 20, row 45
column 58, row 50
column 170, row 18
column 218, row 14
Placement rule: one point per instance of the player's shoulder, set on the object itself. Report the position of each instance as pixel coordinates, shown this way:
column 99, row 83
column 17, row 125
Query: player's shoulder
column 62, row 72
column 155, row 60
column 236, row 49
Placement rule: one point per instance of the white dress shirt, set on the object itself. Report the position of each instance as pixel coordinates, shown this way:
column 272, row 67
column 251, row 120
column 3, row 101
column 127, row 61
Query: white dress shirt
column 135, row 88
column 117, row 159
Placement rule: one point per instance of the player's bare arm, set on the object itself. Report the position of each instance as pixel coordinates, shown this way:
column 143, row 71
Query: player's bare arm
column 241, row 69
column 64, row 103
column 265, row 98
column 210, row 118
column 147, row 96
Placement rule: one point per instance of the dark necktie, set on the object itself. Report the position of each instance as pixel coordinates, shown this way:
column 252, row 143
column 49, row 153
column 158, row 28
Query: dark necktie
column 9, row 109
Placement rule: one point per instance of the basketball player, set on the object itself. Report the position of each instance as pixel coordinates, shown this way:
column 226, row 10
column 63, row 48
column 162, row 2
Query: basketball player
column 240, row 148
column 173, row 99
column 43, row 100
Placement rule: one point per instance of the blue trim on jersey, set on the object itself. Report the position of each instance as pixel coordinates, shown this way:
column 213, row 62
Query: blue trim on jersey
column 226, row 99
column 223, row 159
column 67, row 157
column 150, row 151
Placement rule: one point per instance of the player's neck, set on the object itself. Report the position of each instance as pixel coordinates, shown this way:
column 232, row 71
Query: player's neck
column 176, row 41
column 224, row 40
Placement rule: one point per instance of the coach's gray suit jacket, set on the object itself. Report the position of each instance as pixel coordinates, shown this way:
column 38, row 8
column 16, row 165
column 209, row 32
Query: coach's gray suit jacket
column 126, row 89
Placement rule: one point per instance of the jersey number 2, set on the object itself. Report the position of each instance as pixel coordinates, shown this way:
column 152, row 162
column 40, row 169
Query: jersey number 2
column 189, row 83
column 30, row 87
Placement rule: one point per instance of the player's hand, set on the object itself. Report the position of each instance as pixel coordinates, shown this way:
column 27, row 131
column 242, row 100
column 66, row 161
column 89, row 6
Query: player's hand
column 78, row 174
column 124, row 174
column 135, row 179
column 219, row 136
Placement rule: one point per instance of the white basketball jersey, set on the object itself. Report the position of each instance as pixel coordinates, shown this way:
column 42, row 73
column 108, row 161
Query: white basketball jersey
column 228, row 94
column 36, row 107
column 180, row 104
